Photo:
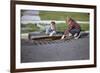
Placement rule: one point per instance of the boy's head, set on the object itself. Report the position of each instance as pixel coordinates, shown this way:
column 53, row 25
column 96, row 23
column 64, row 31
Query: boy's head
column 53, row 22
column 68, row 19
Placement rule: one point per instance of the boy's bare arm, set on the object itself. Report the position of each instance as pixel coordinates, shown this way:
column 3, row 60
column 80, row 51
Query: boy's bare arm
column 67, row 30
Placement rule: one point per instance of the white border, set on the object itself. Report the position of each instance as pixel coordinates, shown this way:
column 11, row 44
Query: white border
column 58, row 63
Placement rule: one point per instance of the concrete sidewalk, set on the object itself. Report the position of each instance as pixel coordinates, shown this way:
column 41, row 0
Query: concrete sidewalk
column 58, row 51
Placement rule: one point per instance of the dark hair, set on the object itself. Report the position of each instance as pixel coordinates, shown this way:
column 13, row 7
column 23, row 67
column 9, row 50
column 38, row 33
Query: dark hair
column 70, row 19
column 53, row 22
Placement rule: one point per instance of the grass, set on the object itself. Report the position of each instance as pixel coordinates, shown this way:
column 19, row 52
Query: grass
column 84, row 27
column 61, row 27
column 25, row 28
column 54, row 15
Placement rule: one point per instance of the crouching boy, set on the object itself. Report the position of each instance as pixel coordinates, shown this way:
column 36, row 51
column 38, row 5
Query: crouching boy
column 73, row 29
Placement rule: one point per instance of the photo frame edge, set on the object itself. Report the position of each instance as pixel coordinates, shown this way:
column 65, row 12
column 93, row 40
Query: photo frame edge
column 13, row 34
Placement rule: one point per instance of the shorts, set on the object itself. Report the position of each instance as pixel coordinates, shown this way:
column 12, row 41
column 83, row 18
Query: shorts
column 50, row 31
column 75, row 31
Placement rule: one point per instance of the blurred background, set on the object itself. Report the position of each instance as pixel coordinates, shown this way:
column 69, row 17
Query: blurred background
column 33, row 20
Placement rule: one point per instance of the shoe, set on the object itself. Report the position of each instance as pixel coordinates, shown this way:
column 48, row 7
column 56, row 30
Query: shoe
column 77, row 37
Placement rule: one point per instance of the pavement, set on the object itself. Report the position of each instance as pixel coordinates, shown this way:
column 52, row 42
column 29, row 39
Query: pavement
column 55, row 51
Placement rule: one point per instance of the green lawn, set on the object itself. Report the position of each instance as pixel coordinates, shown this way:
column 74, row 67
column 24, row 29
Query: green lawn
column 25, row 28
column 51, row 15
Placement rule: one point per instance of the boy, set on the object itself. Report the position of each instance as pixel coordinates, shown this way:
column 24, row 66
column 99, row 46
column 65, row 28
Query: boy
column 73, row 29
column 52, row 29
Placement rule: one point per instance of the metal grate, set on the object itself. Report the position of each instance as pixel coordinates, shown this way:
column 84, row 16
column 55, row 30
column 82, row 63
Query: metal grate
column 50, row 40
